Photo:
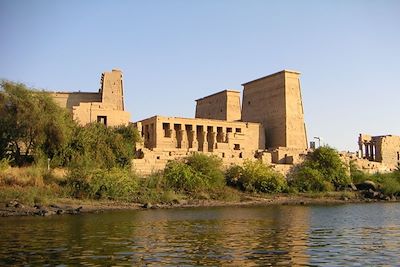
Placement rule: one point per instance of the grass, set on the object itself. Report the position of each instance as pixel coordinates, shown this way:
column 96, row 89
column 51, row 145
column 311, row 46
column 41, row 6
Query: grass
column 29, row 185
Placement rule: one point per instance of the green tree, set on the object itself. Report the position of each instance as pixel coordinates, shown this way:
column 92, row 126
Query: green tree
column 97, row 146
column 31, row 124
column 323, row 163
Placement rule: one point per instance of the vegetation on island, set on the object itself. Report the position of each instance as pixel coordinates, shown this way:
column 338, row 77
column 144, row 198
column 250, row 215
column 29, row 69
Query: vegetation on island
column 45, row 156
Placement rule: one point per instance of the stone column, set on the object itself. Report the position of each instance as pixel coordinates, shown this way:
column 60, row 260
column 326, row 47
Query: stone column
column 212, row 141
column 193, row 140
column 223, row 137
column 205, row 142
column 184, row 139
column 360, row 149
column 229, row 137
column 174, row 138
column 366, row 150
column 372, row 156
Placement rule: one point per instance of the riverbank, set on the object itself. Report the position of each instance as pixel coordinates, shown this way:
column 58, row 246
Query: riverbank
column 74, row 206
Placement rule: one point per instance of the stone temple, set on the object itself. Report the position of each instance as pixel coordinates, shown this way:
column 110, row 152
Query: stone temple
column 268, row 124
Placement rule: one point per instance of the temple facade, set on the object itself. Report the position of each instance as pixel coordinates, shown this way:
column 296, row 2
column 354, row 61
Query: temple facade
column 105, row 106
column 268, row 125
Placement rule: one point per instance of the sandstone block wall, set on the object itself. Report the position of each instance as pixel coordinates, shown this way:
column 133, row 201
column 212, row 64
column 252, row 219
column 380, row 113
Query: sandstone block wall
column 224, row 105
column 166, row 133
column 275, row 101
column 70, row 99
column 105, row 106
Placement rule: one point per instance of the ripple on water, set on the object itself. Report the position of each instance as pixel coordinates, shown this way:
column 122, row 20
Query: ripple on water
column 345, row 235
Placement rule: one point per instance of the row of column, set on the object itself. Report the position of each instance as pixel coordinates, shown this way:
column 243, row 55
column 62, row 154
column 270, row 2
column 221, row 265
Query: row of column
column 202, row 140
column 367, row 150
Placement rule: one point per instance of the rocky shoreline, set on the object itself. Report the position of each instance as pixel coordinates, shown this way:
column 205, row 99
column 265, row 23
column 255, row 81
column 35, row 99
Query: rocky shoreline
column 15, row 208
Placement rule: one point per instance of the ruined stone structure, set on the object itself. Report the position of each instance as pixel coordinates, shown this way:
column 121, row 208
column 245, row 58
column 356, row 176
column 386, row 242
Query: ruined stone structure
column 105, row 106
column 384, row 148
column 269, row 126
column 375, row 154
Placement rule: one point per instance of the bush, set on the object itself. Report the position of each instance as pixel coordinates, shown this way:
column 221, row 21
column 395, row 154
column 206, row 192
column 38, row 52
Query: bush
column 310, row 180
column 357, row 175
column 4, row 164
column 195, row 173
column 99, row 146
column 233, row 175
column 114, row 184
column 182, row 177
column 255, row 176
column 29, row 195
column 325, row 170
column 209, row 168
column 390, row 185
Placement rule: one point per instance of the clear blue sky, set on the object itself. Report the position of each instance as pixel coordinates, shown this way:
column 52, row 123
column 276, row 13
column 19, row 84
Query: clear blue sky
column 173, row 52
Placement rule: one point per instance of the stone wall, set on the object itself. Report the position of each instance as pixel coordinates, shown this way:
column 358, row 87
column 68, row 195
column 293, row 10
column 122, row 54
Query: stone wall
column 275, row 101
column 200, row 134
column 224, row 105
column 169, row 138
column 105, row 106
column 70, row 99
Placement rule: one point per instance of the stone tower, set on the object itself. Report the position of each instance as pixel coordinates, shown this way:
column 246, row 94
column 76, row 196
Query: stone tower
column 111, row 89
column 275, row 101
column 105, row 106
column 224, row 105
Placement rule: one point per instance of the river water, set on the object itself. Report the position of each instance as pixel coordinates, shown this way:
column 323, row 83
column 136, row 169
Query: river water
column 333, row 235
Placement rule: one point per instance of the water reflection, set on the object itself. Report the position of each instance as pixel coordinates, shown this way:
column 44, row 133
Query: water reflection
column 231, row 236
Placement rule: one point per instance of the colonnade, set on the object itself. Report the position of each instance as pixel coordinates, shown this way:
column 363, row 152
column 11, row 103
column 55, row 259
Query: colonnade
column 367, row 149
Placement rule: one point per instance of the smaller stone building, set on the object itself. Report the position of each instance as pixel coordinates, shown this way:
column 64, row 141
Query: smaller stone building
column 105, row 106
column 383, row 148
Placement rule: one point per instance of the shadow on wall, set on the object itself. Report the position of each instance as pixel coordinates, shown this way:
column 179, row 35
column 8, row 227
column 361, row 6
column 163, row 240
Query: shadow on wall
column 74, row 99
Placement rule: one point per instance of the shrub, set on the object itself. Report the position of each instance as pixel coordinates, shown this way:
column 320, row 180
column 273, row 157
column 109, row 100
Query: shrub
column 324, row 168
column 77, row 182
column 390, row 185
column 100, row 146
column 326, row 160
column 29, row 195
column 209, row 168
column 4, row 164
column 154, row 181
column 195, row 173
column 233, row 175
column 310, row 180
column 115, row 183
column 357, row 175
column 182, row 177
column 255, row 176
